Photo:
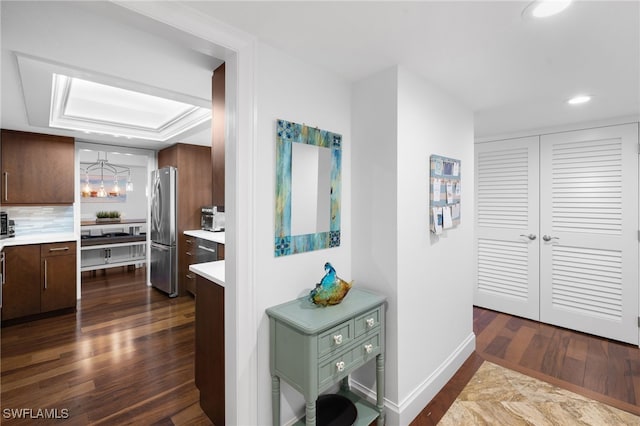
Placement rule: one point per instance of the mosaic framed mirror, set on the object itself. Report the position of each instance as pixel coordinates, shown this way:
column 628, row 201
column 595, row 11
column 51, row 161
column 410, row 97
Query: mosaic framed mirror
column 308, row 188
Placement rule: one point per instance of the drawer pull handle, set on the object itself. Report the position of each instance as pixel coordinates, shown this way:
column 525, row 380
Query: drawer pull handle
column 371, row 322
column 368, row 348
column 338, row 339
column 207, row 249
column 340, row 365
column 59, row 249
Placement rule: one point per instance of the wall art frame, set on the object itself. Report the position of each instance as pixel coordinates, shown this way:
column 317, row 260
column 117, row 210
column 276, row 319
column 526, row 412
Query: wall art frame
column 287, row 134
column 444, row 193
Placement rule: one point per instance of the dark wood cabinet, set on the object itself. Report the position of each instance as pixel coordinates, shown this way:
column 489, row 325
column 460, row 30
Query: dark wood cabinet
column 218, row 134
column 194, row 191
column 36, row 168
column 38, row 278
column 21, row 281
column 187, row 251
column 209, row 364
column 58, row 269
column 198, row 250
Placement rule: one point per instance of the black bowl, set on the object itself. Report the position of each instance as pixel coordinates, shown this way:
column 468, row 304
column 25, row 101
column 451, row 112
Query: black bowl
column 335, row 410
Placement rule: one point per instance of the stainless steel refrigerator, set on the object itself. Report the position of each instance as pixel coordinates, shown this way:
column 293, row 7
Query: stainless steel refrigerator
column 164, row 255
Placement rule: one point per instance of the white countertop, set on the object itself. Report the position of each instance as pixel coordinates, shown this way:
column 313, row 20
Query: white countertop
column 216, row 237
column 213, row 271
column 38, row 239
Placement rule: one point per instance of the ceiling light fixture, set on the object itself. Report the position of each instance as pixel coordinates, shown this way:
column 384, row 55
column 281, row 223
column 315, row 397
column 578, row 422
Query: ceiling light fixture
column 545, row 8
column 116, row 170
column 91, row 107
column 580, row 99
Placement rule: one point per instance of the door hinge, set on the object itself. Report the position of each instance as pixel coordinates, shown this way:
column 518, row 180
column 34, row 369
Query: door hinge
column 638, row 321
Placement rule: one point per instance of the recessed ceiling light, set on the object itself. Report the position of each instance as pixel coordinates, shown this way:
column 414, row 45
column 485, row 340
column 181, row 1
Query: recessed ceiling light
column 91, row 107
column 545, row 8
column 580, row 99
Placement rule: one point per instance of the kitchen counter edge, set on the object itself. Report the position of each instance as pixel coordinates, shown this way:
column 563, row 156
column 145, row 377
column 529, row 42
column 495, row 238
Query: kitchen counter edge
column 216, row 237
column 212, row 271
column 38, row 239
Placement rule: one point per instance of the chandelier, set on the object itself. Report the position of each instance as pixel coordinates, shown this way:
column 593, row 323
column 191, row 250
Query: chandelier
column 114, row 171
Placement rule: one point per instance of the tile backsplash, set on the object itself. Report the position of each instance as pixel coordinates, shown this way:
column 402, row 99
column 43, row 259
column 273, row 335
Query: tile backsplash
column 31, row 220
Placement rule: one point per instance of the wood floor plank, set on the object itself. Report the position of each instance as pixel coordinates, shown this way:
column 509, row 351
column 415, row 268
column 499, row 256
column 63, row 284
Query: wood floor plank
column 520, row 343
column 125, row 357
column 596, row 368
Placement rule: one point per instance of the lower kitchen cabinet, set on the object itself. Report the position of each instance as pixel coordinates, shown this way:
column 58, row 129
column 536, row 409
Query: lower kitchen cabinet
column 186, row 257
column 21, row 281
column 58, row 269
column 38, row 278
column 196, row 250
column 209, row 359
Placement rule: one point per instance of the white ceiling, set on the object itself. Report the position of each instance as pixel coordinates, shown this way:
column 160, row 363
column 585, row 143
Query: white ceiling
column 100, row 42
column 514, row 73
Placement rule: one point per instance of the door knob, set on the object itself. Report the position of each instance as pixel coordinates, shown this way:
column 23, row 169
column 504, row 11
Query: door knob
column 548, row 238
column 530, row 236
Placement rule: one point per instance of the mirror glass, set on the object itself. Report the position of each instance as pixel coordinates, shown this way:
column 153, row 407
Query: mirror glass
column 307, row 211
column 310, row 189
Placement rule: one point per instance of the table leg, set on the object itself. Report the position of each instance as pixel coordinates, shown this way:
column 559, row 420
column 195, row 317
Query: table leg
column 380, row 388
column 275, row 400
column 344, row 384
column 311, row 413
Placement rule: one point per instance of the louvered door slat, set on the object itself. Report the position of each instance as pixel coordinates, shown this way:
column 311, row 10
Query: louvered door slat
column 589, row 271
column 506, row 197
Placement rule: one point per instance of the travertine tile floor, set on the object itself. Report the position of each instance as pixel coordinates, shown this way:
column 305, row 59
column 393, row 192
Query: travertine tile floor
column 499, row 396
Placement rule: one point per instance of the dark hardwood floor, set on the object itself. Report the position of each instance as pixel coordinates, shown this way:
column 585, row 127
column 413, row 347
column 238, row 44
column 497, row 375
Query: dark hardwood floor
column 125, row 357
column 600, row 369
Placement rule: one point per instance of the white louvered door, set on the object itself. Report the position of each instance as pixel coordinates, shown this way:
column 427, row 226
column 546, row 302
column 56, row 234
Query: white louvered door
column 589, row 215
column 506, row 240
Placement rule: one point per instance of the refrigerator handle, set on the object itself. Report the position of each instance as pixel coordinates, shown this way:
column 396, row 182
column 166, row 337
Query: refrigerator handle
column 157, row 202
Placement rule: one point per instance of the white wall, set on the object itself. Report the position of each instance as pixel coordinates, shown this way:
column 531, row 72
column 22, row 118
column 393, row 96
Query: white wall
column 374, row 168
column 429, row 318
column 294, row 91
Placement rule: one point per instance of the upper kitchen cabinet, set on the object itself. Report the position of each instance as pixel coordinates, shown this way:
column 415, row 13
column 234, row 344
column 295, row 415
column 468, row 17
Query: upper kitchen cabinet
column 194, row 191
column 218, row 134
column 36, row 168
column 194, row 180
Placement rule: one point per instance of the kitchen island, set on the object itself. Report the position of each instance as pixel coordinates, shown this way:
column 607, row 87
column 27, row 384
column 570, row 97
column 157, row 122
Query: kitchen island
column 107, row 245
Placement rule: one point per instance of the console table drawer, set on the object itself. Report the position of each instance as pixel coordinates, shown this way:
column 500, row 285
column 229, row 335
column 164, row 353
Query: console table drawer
column 367, row 322
column 339, row 366
column 343, row 363
column 335, row 339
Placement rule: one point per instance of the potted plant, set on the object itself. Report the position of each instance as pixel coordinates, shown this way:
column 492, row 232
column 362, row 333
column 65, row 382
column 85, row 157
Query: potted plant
column 105, row 216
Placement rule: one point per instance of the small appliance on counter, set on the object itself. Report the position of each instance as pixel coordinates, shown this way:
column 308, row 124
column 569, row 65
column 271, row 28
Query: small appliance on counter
column 8, row 227
column 212, row 218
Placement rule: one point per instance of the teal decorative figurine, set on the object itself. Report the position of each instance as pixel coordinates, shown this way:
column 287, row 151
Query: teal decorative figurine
column 331, row 289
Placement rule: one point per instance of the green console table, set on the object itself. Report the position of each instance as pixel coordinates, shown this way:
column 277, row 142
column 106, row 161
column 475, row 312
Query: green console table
column 313, row 348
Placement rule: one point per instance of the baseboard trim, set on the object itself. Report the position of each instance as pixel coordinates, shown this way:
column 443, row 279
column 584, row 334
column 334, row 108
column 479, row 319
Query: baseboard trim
column 407, row 410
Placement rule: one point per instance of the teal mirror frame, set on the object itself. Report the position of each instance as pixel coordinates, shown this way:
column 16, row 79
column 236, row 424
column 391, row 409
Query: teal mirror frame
column 288, row 133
